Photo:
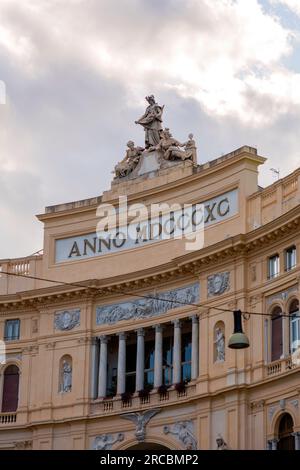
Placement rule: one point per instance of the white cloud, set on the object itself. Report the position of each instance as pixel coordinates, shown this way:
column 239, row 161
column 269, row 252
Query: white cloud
column 212, row 51
column 76, row 73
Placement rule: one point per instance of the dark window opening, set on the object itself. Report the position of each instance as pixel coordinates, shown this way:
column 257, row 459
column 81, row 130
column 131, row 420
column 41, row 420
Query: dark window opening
column 10, row 389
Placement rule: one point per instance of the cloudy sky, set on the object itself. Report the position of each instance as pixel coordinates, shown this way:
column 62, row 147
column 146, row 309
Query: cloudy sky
column 76, row 73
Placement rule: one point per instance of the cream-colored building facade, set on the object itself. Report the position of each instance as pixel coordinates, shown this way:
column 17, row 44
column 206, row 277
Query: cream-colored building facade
column 127, row 349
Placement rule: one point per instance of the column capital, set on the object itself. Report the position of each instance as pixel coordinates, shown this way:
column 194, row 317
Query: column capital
column 158, row 328
column 122, row 336
column 103, row 339
column 140, row 332
column 296, row 434
column 176, row 323
column 194, row 318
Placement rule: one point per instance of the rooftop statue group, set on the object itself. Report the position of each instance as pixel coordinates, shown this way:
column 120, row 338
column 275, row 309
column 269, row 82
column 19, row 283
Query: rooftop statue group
column 156, row 139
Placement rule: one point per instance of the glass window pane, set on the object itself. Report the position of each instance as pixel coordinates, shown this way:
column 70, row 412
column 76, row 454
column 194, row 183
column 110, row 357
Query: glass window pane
column 186, row 372
column 12, row 329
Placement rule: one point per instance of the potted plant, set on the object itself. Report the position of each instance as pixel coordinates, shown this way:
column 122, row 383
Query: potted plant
column 126, row 397
column 181, row 386
column 162, row 390
column 146, row 391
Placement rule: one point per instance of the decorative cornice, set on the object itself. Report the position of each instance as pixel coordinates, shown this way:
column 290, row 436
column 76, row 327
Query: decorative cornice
column 181, row 268
column 33, row 349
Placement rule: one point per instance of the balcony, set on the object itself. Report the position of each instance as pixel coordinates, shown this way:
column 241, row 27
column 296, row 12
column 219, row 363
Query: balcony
column 281, row 366
column 135, row 403
column 22, row 267
column 8, row 418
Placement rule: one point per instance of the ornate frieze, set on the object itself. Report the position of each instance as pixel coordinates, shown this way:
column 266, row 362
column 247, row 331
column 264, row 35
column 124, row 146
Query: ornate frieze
column 67, row 320
column 23, row 445
column 156, row 304
column 106, row 441
column 140, row 420
column 283, row 295
column 184, row 431
column 218, row 283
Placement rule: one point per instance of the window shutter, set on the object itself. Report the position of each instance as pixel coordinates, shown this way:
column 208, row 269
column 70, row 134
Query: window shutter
column 276, row 338
column 10, row 389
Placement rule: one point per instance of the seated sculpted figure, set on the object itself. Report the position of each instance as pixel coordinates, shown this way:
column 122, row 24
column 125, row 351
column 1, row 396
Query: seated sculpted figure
column 170, row 147
column 130, row 160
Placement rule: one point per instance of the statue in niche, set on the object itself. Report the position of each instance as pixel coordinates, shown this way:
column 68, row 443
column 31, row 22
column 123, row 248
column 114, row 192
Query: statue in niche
column 130, row 161
column 171, row 147
column 220, row 345
column 152, row 122
column 66, row 383
column 221, row 444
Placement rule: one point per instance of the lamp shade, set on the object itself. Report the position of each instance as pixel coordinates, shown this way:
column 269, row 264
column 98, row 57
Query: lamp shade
column 238, row 340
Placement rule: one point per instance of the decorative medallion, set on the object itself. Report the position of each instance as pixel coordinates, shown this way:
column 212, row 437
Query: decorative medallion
column 218, row 283
column 67, row 320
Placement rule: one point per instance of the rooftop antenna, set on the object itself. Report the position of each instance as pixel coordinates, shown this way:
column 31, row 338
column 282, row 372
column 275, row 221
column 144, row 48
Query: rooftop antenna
column 276, row 172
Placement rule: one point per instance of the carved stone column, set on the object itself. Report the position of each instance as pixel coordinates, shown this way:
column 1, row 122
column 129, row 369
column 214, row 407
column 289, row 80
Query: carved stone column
column 266, row 340
column 121, row 379
column 140, row 360
column 158, row 356
column 297, row 440
column 102, row 383
column 195, row 347
column 94, row 367
column 177, row 352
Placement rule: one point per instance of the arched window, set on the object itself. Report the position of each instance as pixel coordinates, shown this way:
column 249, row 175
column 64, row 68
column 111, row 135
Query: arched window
column 276, row 334
column 294, row 325
column 10, row 393
column 65, row 374
column 285, row 430
column 219, row 342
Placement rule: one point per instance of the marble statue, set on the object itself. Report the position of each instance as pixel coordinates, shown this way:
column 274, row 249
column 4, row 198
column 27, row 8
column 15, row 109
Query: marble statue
column 221, row 444
column 106, row 441
column 66, row 377
column 171, row 147
column 161, row 150
column 220, row 345
column 130, row 161
column 191, row 149
column 151, row 122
